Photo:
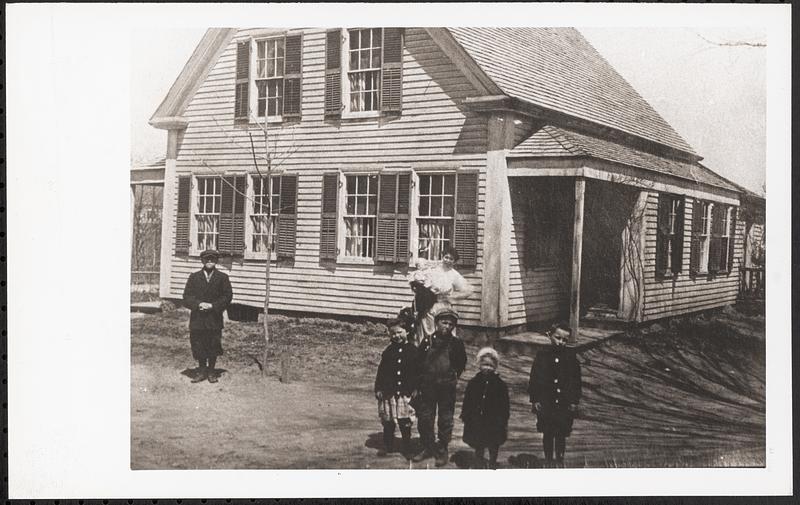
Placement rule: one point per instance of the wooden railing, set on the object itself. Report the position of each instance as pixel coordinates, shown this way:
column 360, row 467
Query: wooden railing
column 752, row 282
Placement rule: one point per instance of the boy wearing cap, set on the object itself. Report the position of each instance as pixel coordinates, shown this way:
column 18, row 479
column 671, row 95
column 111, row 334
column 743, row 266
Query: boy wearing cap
column 207, row 293
column 554, row 390
column 485, row 409
column 441, row 361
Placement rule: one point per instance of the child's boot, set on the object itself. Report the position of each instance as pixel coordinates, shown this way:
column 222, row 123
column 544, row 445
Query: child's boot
column 442, row 456
column 388, row 439
column 405, row 432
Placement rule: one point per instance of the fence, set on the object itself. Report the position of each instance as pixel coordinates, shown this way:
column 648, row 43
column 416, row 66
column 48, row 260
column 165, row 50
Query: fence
column 752, row 282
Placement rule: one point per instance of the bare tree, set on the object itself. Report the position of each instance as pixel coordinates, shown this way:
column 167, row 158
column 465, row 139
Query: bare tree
column 270, row 159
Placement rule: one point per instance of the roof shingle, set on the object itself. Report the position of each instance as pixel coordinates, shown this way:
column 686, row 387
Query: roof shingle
column 558, row 69
column 552, row 141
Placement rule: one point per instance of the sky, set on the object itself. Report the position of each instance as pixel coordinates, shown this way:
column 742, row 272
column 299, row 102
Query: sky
column 713, row 95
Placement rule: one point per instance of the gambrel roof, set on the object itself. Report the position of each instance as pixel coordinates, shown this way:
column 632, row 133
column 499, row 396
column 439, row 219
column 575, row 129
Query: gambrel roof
column 556, row 142
column 558, row 69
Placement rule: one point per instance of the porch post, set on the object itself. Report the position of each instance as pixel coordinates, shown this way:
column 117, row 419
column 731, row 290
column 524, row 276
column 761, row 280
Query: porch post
column 577, row 248
column 168, row 213
column 497, row 223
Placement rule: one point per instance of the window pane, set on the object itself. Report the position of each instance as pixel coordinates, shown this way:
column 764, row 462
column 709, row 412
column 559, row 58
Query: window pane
column 376, row 37
column 424, row 206
column 450, row 184
column 361, row 205
column 353, row 39
column 425, row 184
column 372, row 205
column 448, row 209
column 363, row 60
column 436, row 206
column 354, row 60
column 436, row 186
column 260, row 49
column 351, row 205
column 365, row 39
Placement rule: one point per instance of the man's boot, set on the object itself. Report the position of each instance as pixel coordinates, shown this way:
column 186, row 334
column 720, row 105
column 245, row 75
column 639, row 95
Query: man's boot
column 427, row 452
column 202, row 373
column 442, row 456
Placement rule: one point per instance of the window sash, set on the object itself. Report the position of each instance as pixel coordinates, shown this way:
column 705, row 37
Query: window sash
column 263, row 211
column 360, row 215
column 435, row 236
column 209, row 196
column 364, row 63
column 270, row 58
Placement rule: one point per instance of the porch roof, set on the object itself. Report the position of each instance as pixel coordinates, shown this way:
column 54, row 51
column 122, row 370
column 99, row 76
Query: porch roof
column 551, row 141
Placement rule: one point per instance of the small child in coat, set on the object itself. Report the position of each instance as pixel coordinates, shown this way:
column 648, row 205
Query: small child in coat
column 485, row 409
column 395, row 386
column 555, row 390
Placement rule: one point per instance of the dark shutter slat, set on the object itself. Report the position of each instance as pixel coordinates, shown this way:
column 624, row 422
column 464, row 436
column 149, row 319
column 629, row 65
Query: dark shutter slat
column 182, row 243
column 327, row 235
column 403, row 217
column 732, row 238
column 242, row 85
column 676, row 261
column 287, row 217
column 333, row 80
column 292, row 82
column 697, row 229
column 392, row 74
column 465, row 232
column 386, row 232
column 238, row 244
column 662, row 234
column 225, row 238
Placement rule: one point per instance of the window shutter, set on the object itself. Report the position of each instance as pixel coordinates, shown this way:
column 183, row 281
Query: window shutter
column 465, row 232
column 662, row 234
column 330, row 217
column 676, row 261
column 238, row 244
column 292, row 81
column 393, row 218
column 182, row 242
column 333, row 78
column 226, row 218
column 697, row 230
column 732, row 238
column 242, row 86
column 287, row 217
column 392, row 75
column 715, row 247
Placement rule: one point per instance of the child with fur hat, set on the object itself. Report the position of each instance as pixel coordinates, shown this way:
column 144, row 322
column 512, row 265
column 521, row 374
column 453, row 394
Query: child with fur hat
column 395, row 386
column 485, row 409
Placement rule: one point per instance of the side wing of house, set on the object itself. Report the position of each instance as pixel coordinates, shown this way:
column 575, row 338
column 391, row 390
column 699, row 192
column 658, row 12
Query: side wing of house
column 360, row 192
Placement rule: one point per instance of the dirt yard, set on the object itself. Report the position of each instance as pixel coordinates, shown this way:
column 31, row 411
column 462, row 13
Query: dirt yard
column 690, row 393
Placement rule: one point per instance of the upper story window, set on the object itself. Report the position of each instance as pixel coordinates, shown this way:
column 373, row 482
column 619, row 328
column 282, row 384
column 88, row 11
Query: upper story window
column 363, row 72
column 364, row 69
column 268, row 78
column 270, row 60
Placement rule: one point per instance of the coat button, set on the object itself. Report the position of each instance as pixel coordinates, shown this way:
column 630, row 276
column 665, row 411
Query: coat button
column 399, row 383
column 556, row 400
column 555, row 381
column 558, row 390
column 398, row 372
column 399, row 360
column 398, row 393
column 400, row 350
column 556, row 360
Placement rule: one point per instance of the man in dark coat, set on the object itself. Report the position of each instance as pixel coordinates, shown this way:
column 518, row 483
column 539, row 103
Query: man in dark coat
column 207, row 294
column 555, row 390
column 442, row 360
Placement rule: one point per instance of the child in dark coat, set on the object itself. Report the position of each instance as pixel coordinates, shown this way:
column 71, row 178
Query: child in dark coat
column 395, row 386
column 485, row 409
column 555, row 390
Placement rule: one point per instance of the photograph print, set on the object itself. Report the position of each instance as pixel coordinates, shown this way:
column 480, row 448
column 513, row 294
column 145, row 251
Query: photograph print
column 448, row 247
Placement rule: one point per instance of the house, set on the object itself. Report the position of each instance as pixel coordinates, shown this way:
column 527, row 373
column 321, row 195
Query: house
column 563, row 190
column 147, row 185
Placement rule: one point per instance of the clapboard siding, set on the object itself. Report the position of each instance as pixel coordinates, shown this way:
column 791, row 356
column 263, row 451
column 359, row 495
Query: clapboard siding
column 534, row 294
column 433, row 132
column 685, row 293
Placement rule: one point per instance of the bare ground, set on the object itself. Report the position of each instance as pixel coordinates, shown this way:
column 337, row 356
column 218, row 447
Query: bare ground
column 690, row 393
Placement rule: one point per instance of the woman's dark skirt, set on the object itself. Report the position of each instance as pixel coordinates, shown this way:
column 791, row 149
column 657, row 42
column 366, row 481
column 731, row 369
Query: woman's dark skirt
column 205, row 343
